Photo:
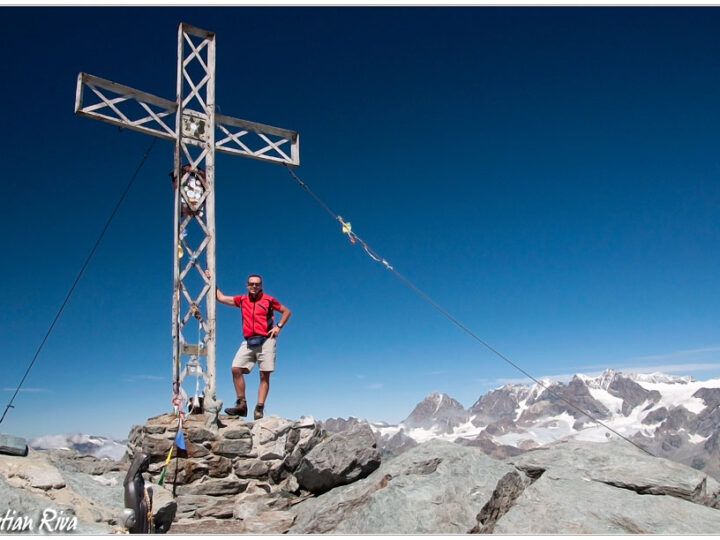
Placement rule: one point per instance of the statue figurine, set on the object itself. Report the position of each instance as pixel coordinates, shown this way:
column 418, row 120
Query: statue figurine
column 137, row 515
column 212, row 409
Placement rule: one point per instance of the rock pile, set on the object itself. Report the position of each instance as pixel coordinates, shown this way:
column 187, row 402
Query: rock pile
column 251, row 471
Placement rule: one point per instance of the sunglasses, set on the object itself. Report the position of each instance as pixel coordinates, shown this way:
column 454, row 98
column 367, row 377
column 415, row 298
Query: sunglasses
column 254, row 284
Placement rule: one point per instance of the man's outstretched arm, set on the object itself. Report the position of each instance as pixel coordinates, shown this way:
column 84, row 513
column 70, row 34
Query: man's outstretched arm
column 222, row 298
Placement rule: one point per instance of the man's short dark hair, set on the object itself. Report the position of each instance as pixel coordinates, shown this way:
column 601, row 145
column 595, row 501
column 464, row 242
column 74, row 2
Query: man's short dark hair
column 254, row 275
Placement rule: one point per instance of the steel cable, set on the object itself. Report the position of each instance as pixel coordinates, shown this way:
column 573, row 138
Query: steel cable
column 79, row 275
column 373, row 254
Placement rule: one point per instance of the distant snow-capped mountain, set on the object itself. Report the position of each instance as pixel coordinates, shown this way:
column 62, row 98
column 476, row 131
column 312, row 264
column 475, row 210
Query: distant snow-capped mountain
column 673, row 417
column 84, row 444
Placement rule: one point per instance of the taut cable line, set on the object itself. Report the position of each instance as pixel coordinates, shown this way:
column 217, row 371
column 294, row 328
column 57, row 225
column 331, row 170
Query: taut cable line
column 79, row 275
column 354, row 237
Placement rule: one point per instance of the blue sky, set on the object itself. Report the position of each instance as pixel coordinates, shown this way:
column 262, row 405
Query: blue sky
column 548, row 175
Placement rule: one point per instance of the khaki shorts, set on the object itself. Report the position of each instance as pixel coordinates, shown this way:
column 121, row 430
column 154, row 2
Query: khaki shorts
column 264, row 356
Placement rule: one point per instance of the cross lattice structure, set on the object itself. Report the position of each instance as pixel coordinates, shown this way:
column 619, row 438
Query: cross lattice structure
column 198, row 132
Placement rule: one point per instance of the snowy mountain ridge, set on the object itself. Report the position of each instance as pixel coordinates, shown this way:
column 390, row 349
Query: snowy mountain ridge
column 671, row 416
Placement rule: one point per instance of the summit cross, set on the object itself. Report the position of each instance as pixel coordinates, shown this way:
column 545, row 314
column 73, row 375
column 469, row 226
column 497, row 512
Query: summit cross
column 198, row 131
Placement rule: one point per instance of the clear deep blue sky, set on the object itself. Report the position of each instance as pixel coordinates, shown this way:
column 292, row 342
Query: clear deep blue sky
column 549, row 175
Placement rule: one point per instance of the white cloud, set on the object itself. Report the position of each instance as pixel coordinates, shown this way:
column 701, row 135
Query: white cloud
column 682, row 369
column 673, row 368
column 678, row 354
column 27, row 389
column 374, row 386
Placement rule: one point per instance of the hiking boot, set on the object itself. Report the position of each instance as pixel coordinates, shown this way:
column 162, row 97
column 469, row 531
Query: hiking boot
column 240, row 408
column 259, row 411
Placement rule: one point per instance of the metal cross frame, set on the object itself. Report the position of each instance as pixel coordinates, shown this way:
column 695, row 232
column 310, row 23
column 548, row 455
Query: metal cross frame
column 190, row 121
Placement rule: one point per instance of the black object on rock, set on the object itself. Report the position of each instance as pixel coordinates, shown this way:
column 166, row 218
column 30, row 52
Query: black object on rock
column 135, row 498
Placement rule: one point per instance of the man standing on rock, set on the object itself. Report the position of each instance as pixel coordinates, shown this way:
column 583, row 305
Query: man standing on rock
column 260, row 333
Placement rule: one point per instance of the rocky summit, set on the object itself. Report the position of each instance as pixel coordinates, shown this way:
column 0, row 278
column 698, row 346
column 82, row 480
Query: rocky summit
column 275, row 476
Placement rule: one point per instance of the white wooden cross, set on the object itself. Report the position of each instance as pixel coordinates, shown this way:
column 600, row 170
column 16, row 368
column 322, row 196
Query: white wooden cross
column 198, row 131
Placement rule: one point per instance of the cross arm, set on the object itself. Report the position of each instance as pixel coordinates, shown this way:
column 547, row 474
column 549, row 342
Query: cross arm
column 259, row 141
column 130, row 108
column 125, row 106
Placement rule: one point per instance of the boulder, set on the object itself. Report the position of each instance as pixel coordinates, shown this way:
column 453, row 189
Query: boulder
column 270, row 437
column 200, row 435
column 581, row 506
column 40, row 475
column 437, row 487
column 156, row 447
column 251, row 468
column 233, row 447
column 606, row 488
column 14, row 446
column 164, row 508
column 340, row 459
column 215, row 487
column 620, row 464
column 304, row 435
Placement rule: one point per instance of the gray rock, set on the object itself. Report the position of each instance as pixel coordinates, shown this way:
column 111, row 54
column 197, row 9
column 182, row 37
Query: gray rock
column 620, row 464
column 196, row 450
column 237, row 433
column 215, row 487
column 164, row 508
column 187, row 505
column 200, row 434
column 303, row 436
column 156, row 447
column 14, row 446
column 607, row 488
column 218, row 466
column 184, row 471
column 208, row 526
column 233, row 447
column 254, row 504
column 270, row 437
column 582, row 506
column 435, row 488
column 251, row 468
column 340, row 459
column 270, row 522
column 41, row 476
column 508, row 489
column 216, row 507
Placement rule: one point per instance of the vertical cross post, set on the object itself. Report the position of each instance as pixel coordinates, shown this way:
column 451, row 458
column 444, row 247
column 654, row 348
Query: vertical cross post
column 192, row 123
column 195, row 206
